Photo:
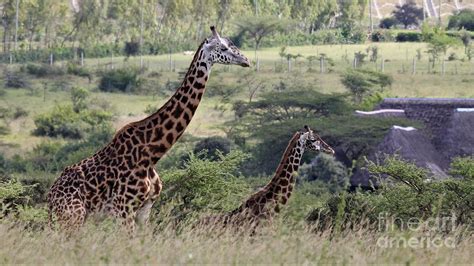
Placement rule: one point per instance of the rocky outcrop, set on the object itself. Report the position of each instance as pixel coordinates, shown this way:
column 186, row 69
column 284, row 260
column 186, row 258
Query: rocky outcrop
column 412, row 145
column 448, row 133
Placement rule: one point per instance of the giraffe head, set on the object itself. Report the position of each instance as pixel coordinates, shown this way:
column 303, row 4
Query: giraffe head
column 313, row 141
column 221, row 50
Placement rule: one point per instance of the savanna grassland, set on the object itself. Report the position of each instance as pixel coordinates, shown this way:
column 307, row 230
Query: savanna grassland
column 349, row 233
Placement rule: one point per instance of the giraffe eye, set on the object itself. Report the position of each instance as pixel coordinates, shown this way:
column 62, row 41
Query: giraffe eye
column 223, row 49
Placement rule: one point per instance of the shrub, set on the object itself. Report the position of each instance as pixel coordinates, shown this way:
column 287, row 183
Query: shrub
column 12, row 194
column 463, row 167
column 362, row 83
column 121, row 79
column 211, row 147
column 15, row 80
column 408, row 36
column 410, row 197
column 382, row 36
column 42, row 70
column 387, row 23
column 74, row 69
column 64, row 121
column 204, row 186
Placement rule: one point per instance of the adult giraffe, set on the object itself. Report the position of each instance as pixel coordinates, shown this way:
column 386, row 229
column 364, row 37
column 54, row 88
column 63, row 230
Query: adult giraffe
column 120, row 179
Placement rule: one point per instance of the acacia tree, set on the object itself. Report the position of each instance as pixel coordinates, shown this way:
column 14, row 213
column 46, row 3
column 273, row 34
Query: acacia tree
column 408, row 14
column 258, row 28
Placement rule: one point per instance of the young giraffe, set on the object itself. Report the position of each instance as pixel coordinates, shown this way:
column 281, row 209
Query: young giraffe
column 265, row 202
column 120, row 179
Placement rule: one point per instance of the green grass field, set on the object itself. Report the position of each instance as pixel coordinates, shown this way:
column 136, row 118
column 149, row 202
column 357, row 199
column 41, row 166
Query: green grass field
column 458, row 81
column 282, row 242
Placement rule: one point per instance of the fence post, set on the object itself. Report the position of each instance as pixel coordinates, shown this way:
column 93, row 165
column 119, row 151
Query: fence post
column 289, row 65
column 11, row 59
column 51, row 59
column 321, row 65
column 382, row 65
column 442, row 67
column 414, row 66
column 112, row 60
column 82, row 58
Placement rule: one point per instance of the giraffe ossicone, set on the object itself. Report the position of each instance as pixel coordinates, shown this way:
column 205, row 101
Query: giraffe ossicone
column 120, row 178
column 264, row 203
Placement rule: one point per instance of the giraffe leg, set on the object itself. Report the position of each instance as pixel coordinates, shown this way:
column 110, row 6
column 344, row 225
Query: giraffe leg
column 143, row 213
column 71, row 215
column 66, row 202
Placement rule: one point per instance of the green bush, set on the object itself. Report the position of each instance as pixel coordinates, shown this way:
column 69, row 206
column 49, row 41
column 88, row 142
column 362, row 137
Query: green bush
column 120, row 79
column 382, row 36
column 409, row 195
column 408, row 36
column 65, row 122
column 362, row 83
column 463, row 167
column 203, row 186
column 74, row 69
column 15, row 79
column 43, row 70
column 12, row 194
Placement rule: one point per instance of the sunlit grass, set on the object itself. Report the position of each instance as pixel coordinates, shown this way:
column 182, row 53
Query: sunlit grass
column 276, row 244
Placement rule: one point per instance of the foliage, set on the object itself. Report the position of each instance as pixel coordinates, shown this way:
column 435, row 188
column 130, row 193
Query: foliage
column 258, row 28
column 408, row 14
column 75, row 69
column 204, row 185
column 410, row 197
column 79, row 99
column 438, row 42
column 120, row 79
column 325, row 168
column 408, row 36
column 43, row 70
column 15, row 79
column 53, row 156
column 65, row 122
column 12, row 195
column 382, row 36
column 211, row 148
column 462, row 19
column 362, row 83
column 388, row 23
column 463, row 167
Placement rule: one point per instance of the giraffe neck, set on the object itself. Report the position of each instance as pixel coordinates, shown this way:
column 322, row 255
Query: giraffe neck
column 279, row 189
column 283, row 180
column 158, row 132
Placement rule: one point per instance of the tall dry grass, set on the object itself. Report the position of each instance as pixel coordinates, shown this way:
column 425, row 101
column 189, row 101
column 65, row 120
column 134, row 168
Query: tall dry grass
column 274, row 244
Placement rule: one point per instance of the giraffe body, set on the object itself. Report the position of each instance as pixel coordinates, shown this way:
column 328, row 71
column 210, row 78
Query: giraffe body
column 263, row 204
column 120, row 179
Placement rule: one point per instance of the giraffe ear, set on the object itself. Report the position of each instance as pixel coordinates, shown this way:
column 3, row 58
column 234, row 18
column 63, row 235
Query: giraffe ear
column 306, row 127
